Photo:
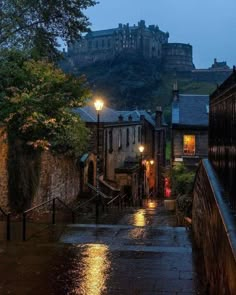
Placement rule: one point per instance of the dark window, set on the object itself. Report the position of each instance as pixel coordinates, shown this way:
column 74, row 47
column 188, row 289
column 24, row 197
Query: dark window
column 134, row 135
column 110, row 141
column 103, row 43
column 96, row 44
column 108, row 43
column 139, row 134
column 120, row 139
column 127, row 137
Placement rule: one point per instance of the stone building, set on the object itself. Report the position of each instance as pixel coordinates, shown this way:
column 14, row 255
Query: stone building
column 148, row 41
column 189, row 128
column 121, row 134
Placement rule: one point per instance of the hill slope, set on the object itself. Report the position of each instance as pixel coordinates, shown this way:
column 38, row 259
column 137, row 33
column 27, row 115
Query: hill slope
column 133, row 82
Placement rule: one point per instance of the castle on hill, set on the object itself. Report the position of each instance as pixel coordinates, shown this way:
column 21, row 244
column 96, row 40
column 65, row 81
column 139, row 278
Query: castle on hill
column 148, row 41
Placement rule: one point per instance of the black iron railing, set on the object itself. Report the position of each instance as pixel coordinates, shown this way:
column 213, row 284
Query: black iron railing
column 100, row 193
column 222, row 136
column 53, row 209
column 8, row 223
column 119, row 199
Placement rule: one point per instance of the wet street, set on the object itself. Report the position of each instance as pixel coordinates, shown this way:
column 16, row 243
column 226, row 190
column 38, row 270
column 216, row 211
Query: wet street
column 137, row 251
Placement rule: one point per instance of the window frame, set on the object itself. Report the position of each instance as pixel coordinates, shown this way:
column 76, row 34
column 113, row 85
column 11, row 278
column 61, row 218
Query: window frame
column 187, row 151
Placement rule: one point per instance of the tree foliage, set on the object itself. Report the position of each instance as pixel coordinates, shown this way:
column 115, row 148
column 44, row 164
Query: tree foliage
column 37, row 24
column 36, row 100
column 181, row 180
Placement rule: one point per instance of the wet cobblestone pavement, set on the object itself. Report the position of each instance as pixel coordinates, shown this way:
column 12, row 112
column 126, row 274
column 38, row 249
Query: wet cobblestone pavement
column 139, row 252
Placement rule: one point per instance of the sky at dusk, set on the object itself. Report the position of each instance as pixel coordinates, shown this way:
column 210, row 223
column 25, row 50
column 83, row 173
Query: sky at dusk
column 208, row 25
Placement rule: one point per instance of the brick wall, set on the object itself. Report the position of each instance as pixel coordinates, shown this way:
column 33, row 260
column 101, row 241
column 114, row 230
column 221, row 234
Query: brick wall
column 214, row 232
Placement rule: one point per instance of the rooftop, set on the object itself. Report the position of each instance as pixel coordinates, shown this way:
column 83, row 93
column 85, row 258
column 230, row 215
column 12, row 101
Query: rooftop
column 191, row 109
column 107, row 115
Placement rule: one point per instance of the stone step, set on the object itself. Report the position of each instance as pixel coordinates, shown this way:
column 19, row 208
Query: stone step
column 152, row 238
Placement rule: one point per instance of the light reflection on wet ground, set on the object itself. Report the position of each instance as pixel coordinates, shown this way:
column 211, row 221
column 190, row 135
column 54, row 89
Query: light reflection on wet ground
column 95, row 271
column 86, row 272
column 142, row 254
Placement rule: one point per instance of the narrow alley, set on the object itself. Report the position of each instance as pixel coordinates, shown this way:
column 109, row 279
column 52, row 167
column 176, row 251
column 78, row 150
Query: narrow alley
column 142, row 252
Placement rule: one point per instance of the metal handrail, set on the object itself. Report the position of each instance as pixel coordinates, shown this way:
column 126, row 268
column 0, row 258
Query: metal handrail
column 99, row 192
column 116, row 197
column 150, row 194
column 8, row 223
column 24, row 214
column 84, row 203
column 123, row 196
column 40, row 205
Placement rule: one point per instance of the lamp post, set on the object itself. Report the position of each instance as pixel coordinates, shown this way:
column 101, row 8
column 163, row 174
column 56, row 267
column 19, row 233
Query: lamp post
column 141, row 150
column 98, row 104
column 152, row 177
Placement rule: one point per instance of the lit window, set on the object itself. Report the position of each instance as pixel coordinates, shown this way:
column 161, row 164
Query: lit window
column 189, row 144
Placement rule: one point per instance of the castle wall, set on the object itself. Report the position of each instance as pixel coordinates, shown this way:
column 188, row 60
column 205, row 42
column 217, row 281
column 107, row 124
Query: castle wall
column 177, row 56
column 105, row 44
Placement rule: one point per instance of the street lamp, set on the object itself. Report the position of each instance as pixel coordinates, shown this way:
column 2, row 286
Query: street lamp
column 141, row 150
column 98, row 104
column 152, row 162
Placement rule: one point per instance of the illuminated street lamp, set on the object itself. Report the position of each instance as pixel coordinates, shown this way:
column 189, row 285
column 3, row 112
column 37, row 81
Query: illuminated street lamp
column 98, row 104
column 141, row 150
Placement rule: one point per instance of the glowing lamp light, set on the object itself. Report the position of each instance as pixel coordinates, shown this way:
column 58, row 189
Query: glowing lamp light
column 151, row 162
column 141, row 148
column 152, row 204
column 98, row 104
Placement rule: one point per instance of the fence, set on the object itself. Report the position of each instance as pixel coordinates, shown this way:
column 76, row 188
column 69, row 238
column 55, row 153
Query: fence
column 222, row 136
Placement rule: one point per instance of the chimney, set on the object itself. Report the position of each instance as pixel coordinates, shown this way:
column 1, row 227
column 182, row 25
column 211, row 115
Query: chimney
column 158, row 117
column 120, row 118
column 142, row 118
column 175, row 92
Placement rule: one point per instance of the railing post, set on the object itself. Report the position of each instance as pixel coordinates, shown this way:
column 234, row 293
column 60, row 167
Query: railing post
column 73, row 217
column 24, row 227
column 8, row 227
column 53, row 211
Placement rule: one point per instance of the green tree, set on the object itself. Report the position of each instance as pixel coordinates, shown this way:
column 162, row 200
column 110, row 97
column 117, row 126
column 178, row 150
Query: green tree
column 181, row 180
column 36, row 100
column 37, row 24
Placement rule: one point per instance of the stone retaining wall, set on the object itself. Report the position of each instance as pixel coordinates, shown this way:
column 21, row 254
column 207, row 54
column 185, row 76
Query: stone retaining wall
column 214, row 232
column 59, row 177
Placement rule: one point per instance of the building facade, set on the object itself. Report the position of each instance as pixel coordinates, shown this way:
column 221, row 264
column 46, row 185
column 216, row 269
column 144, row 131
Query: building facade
column 122, row 166
column 148, row 41
column 189, row 128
